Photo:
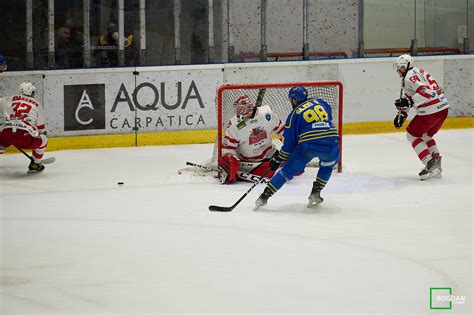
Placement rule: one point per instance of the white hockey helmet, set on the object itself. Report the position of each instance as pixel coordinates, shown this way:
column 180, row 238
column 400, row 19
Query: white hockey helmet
column 243, row 106
column 406, row 61
column 27, row 89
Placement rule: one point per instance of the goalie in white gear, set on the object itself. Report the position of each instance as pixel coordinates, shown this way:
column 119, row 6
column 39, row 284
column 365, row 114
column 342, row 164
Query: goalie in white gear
column 247, row 143
column 24, row 127
column 421, row 92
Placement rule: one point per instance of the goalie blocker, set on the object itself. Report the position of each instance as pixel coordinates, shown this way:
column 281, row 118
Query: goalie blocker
column 230, row 166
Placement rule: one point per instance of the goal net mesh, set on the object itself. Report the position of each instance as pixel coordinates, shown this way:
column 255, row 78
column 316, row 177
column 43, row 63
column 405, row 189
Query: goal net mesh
column 275, row 96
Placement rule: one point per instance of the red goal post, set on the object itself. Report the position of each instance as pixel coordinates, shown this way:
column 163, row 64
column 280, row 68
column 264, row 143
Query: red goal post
column 276, row 96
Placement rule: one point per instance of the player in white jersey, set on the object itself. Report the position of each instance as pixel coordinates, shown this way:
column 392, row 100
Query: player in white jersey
column 24, row 126
column 248, row 142
column 421, row 92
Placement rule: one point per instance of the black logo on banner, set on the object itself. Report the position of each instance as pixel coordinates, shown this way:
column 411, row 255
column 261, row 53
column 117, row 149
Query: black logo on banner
column 84, row 107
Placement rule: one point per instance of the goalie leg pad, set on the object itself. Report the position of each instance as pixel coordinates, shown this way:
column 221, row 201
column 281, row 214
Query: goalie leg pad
column 230, row 167
column 261, row 169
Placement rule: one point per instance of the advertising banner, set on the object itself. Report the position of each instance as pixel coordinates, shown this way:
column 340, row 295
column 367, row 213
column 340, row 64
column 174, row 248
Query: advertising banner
column 174, row 98
column 120, row 102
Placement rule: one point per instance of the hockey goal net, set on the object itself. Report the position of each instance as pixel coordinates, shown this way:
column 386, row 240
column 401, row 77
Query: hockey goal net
column 276, row 96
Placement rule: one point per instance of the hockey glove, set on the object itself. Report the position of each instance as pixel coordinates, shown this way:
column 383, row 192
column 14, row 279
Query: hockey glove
column 400, row 119
column 403, row 104
column 275, row 162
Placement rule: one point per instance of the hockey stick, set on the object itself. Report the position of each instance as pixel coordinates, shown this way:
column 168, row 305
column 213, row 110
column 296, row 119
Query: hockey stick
column 242, row 175
column 261, row 94
column 228, row 209
column 44, row 161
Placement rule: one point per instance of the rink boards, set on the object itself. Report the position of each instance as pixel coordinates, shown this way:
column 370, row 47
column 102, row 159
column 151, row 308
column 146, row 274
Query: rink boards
column 176, row 104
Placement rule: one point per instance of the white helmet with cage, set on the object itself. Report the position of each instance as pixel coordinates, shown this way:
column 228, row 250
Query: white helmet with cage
column 27, row 89
column 406, row 61
column 243, row 107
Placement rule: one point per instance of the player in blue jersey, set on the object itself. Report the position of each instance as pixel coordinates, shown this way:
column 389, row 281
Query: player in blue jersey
column 309, row 132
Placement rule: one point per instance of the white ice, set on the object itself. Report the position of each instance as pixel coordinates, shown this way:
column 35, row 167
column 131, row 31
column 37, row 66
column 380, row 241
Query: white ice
column 74, row 242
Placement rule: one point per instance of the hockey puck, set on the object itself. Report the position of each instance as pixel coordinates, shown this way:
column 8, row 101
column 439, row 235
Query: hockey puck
column 120, row 183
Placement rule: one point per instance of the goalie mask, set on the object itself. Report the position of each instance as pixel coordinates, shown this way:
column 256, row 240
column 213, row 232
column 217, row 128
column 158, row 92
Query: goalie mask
column 243, row 107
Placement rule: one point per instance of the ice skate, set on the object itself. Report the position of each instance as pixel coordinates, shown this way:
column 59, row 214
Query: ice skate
column 438, row 163
column 431, row 170
column 34, row 168
column 262, row 200
column 315, row 197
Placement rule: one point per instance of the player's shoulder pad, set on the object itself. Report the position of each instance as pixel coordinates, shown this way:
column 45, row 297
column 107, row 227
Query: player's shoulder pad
column 266, row 112
column 265, row 109
column 320, row 101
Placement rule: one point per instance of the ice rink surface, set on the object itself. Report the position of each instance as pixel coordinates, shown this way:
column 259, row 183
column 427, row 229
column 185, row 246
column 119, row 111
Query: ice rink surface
column 74, row 242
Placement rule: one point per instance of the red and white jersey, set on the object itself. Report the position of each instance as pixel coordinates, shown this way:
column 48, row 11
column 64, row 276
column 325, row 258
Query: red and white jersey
column 251, row 139
column 423, row 90
column 24, row 113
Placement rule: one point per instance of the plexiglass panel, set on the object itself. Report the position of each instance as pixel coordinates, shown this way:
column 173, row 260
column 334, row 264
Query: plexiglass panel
column 168, row 32
column 69, row 34
column 159, row 33
column 13, row 26
column 388, row 24
column 433, row 23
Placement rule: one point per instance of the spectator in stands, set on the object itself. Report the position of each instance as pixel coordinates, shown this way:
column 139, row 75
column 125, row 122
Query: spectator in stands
column 67, row 53
column 76, row 41
column 108, row 56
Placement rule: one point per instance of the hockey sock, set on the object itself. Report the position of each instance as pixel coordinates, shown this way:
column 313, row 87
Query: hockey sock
column 277, row 181
column 420, row 147
column 431, row 143
column 324, row 174
column 39, row 152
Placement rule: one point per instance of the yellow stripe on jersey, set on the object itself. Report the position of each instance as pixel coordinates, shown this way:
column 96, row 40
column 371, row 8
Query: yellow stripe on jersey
column 312, row 131
column 283, row 155
column 318, row 137
column 318, row 134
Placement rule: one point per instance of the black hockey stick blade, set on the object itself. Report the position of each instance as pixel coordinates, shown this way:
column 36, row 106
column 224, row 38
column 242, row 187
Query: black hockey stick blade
column 228, row 209
column 221, row 209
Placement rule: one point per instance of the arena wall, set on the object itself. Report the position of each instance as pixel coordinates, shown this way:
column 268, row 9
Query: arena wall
column 176, row 104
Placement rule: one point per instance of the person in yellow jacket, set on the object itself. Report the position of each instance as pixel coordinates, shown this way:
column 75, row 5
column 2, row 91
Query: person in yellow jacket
column 109, row 41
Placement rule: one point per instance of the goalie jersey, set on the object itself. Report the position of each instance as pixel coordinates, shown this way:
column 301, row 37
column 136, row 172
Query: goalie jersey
column 251, row 139
column 423, row 91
